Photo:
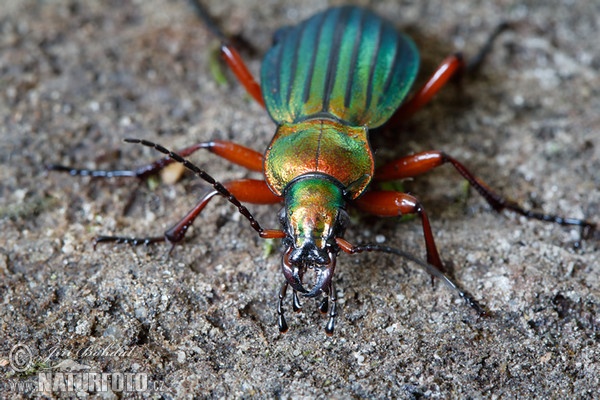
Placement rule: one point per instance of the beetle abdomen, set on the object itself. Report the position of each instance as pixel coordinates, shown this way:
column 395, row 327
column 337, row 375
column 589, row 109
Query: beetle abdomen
column 345, row 62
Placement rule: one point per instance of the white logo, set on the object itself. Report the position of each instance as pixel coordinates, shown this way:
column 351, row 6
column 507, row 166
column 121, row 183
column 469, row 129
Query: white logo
column 20, row 357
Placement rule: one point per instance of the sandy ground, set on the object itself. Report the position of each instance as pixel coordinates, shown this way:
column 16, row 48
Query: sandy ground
column 76, row 77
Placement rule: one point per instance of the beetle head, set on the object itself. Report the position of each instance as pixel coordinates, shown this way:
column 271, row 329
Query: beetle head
column 313, row 217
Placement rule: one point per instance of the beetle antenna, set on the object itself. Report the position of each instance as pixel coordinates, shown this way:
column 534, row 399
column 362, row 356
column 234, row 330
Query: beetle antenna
column 431, row 269
column 200, row 173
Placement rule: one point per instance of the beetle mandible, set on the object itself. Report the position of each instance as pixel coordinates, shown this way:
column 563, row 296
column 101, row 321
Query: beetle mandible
column 326, row 83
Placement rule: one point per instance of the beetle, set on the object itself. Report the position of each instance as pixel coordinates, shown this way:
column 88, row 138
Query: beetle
column 326, row 83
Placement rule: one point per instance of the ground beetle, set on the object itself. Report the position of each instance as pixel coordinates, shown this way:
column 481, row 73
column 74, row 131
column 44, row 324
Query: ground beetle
column 326, row 82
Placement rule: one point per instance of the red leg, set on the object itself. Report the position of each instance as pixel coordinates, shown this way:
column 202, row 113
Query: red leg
column 238, row 67
column 393, row 204
column 245, row 190
column 420, row 163
column 230, row 54
column 230, row 151
column 447, row 69
column 409, row 166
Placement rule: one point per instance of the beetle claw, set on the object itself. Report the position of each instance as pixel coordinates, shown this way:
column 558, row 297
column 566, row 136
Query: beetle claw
column 292, row 273
column 324, row 276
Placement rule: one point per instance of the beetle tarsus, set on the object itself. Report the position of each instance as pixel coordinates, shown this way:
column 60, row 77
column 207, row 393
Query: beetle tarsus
column 332, row 311
column 475, row 63
column 330, row 327
column 134, row 241
column 281, row 322
column 296, row 305
column 94, row 173
column 474, row 304
column 283, row 326
column 324, row 305
column 434, row 271
column 586, row 226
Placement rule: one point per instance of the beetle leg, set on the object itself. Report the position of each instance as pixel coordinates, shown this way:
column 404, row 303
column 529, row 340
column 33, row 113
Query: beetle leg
column 476, row 62
column 324, row 304
column 332, row 310
column 392, row 204
column 230, row 151
column 246, row 190
column 281, row 322
column 231, row 55
column 296, row 305
column 431, row 269
column 450, row 67
column 420, row 163
column 240, row 70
